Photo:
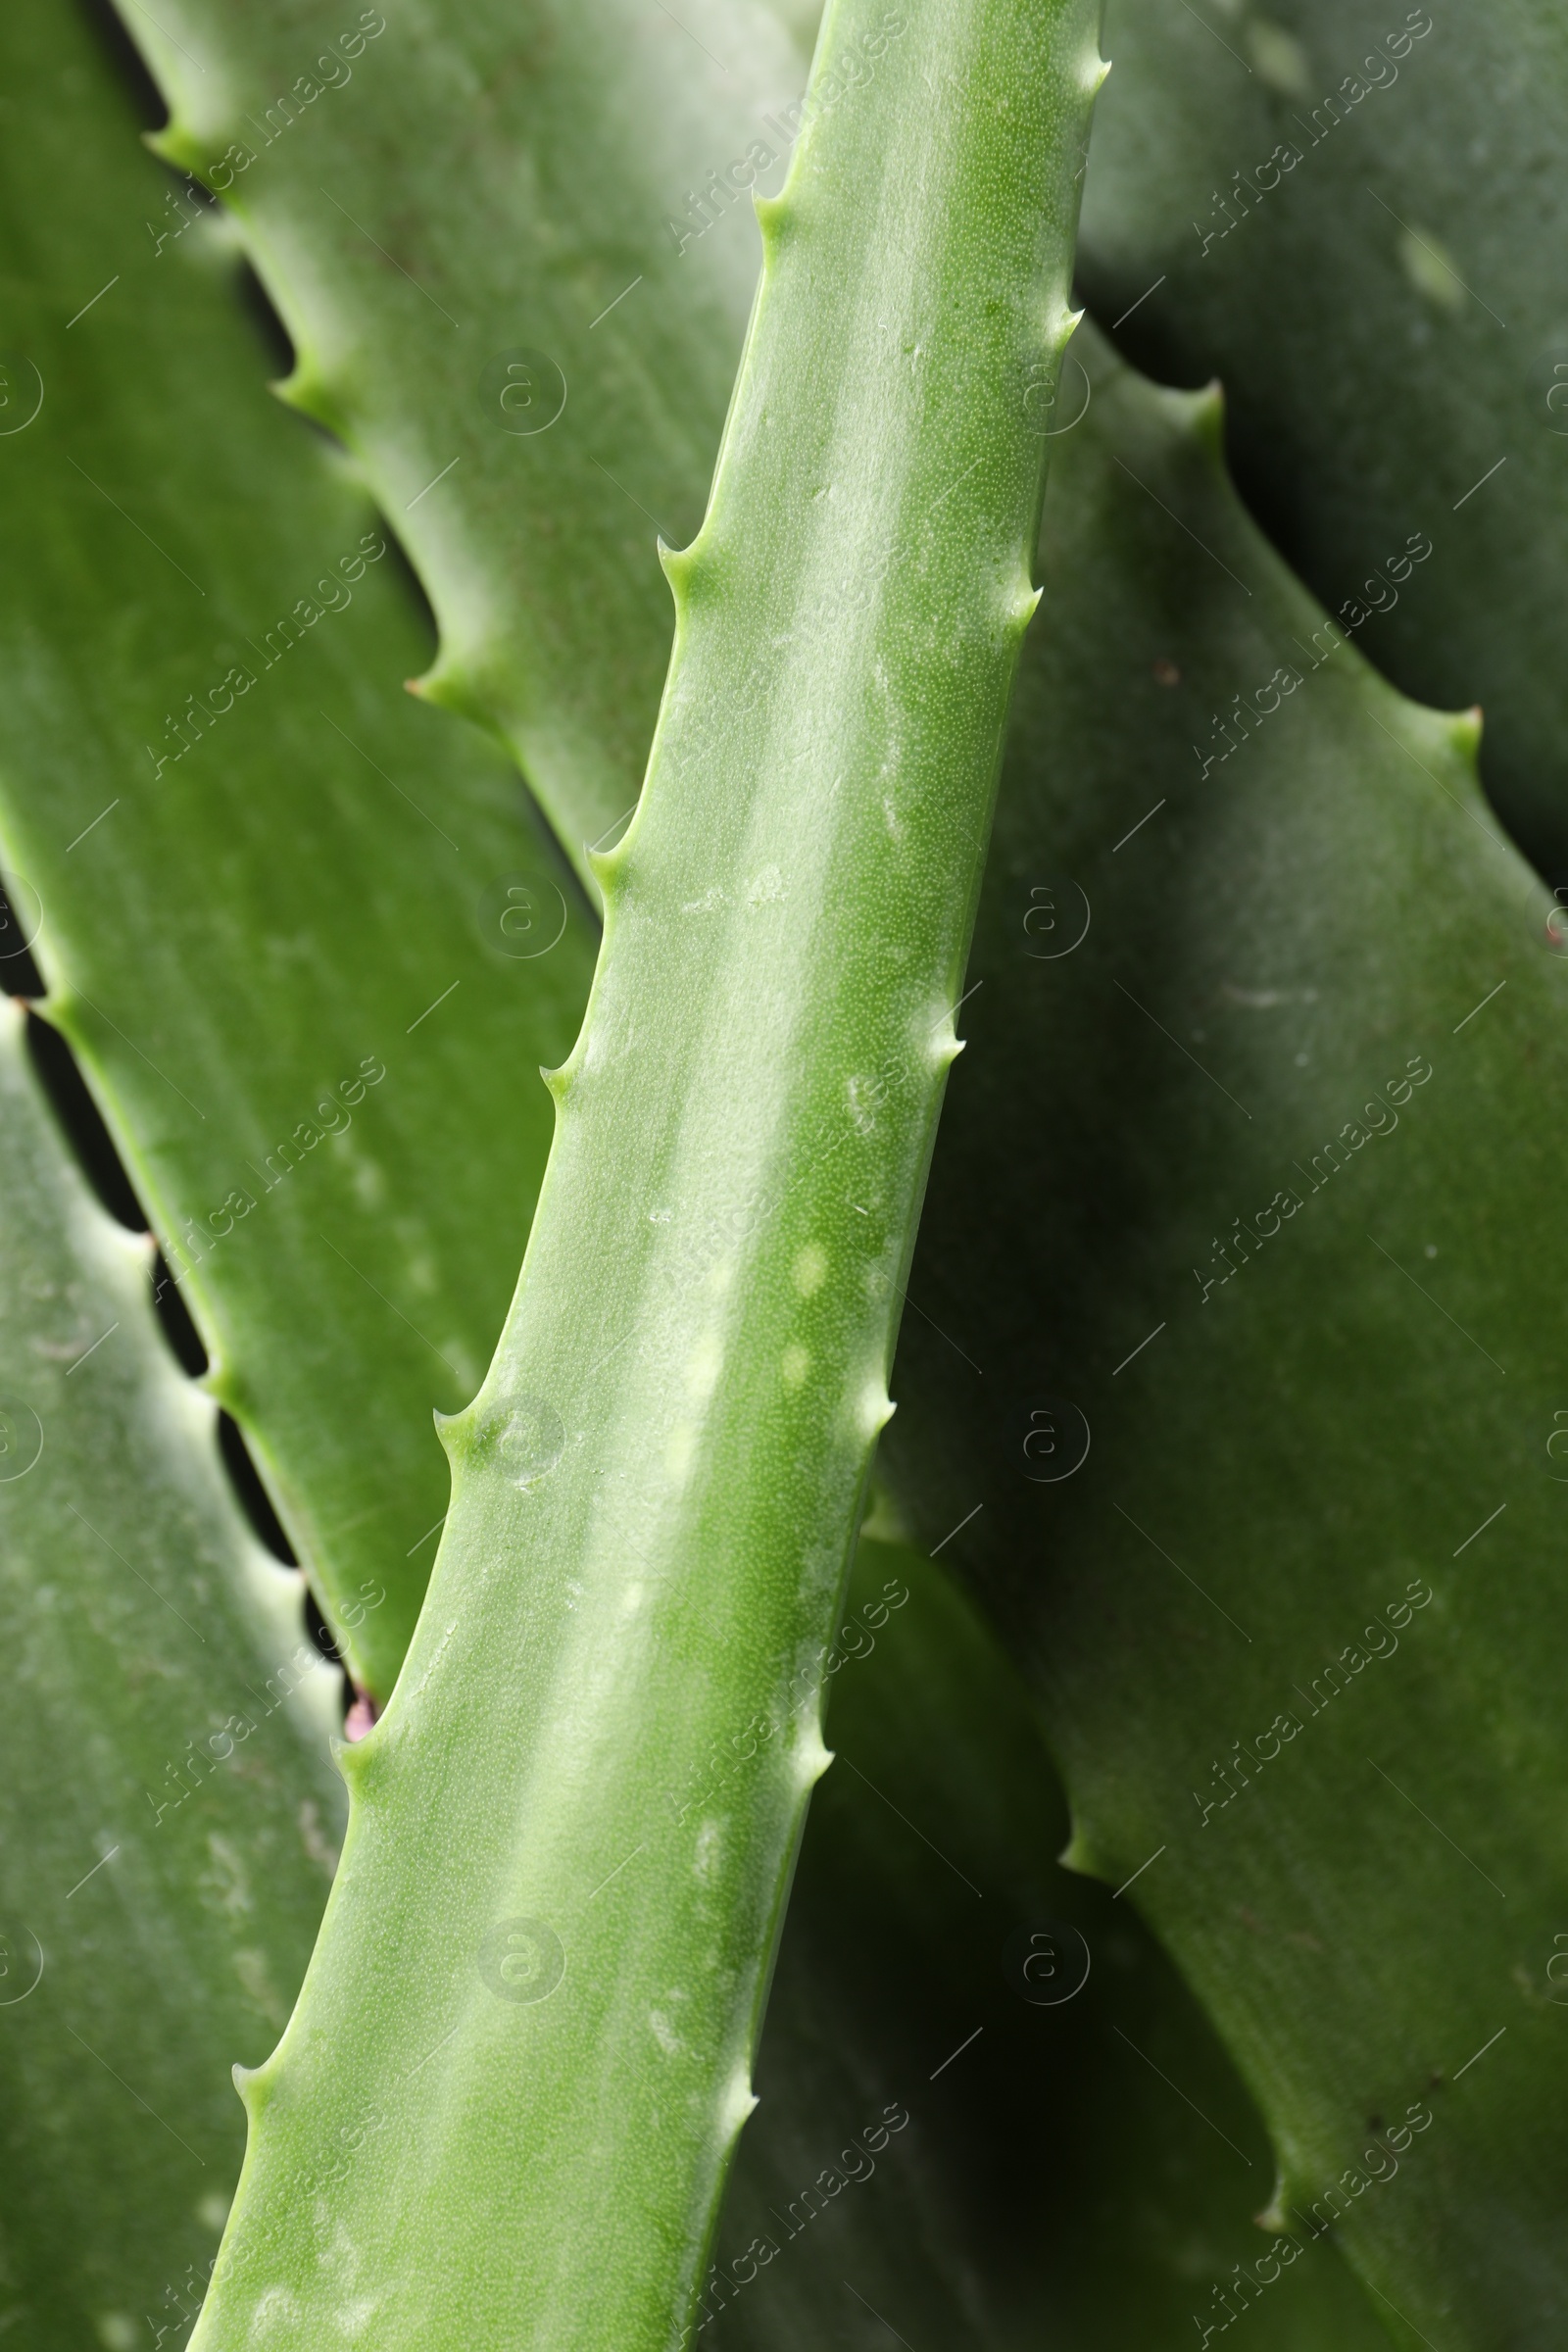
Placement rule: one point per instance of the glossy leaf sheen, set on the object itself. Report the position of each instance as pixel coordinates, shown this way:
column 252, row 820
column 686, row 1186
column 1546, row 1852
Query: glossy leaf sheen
column 148, row 2246
column 168, row 1813
column 1366, row 1397
column 653, row 1502
column 985, row 2227
column 1007, row 2211
column 414, row 271
column 1356, row 223
column 237, row 938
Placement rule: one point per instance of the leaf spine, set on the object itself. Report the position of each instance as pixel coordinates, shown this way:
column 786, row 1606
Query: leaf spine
column 1464, row 730
column 608, row 866
column 773, row 214
column 1078, row 1856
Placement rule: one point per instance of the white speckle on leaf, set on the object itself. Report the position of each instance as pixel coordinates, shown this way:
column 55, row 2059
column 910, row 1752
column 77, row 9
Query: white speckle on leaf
column 276, row 2308
column 1429, row 270
column 710, row 1853
column 250, row 1965
column 225, row 1878
column 1279, row 57
column 809, row 1269
column 702, row 1367
column 867, row 1098
column 321, row 1851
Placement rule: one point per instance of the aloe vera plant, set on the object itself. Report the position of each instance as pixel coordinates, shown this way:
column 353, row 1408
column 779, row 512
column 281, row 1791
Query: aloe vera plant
column 524, row 573
column 168, row 313
column 672, row 1445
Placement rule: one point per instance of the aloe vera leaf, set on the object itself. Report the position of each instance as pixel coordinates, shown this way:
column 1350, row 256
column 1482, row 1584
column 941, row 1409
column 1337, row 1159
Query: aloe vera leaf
column 168, row 1805
column 157, row 2257
column 809, row 2074
column 1370, row 1398
column 565, row 250
column 743, row 1129
column 1004, row 2213
column 1415, row 379
column 278, row 955
column 803, row 2066
column 785, row 2120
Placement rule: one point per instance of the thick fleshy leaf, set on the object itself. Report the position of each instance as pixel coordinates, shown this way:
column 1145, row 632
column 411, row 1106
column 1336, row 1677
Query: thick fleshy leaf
column 1357, row 221
column 535, row 316
column 282, row 905
column 168, row 1813
column 1268, row 1430
column 939, row 1964
column 852, row 2007
column 657, row 1492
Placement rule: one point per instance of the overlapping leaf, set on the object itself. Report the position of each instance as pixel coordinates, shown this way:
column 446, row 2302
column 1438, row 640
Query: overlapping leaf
column 565, row 1895
column 169, row 1814
column 515, row 248
column 282, row 905
column 1268, row 1429
column 1093, row 737
column 805, row 2102
column 1080, row 2162
column 1354, row 218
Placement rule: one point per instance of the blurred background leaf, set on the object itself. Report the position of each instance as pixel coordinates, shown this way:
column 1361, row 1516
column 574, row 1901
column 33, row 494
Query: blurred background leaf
column 169, row 1814
column 1228, row 1393
column 1354, row 218
column 286, row 953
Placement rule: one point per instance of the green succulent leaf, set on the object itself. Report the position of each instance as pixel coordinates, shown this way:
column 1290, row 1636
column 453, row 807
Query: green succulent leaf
column 653, row 1505
column 1272, row 1402
column 149, row 2246
column 280, row 904
column 851, row 2011
column 1354, row 218
column 519, row 644
column 938, row 1965
column 170, row 1813
column 540, row 319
